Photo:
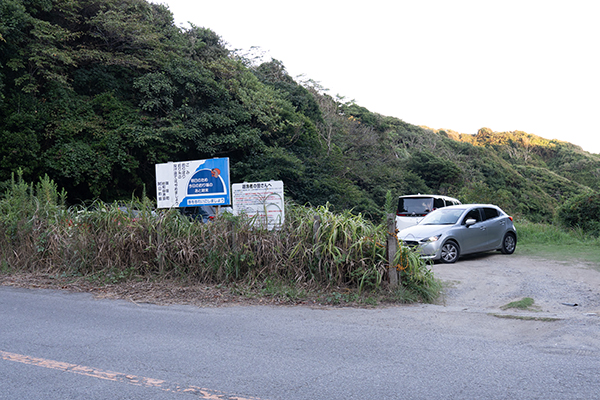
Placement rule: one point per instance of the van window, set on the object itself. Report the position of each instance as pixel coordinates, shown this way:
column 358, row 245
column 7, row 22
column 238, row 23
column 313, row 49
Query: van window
column 414, row 206
column 439, row 203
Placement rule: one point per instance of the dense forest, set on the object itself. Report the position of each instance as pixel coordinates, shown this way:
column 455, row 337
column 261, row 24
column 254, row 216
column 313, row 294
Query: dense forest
column 94, row 93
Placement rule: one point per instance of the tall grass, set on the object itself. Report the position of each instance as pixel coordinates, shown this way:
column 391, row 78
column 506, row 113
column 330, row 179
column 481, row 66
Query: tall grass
column 558, row 243
column 535, row 233
column 113, row 242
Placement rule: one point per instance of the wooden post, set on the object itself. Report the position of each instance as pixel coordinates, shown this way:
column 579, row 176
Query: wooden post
column 392, row 248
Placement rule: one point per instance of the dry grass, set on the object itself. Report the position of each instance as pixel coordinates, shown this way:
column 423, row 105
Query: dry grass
column 314, row 251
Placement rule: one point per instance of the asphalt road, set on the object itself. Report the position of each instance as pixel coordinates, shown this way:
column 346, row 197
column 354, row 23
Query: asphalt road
column 59, row 345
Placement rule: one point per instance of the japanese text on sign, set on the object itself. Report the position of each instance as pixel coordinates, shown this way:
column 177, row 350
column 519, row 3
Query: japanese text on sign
column 193, row 183
column 261, row 201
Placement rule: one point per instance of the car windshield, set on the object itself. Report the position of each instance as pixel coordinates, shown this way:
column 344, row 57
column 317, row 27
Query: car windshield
column 443, row 216
column 415, row 205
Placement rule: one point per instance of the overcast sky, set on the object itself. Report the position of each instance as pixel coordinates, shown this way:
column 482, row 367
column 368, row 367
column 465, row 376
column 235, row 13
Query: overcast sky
column 524, row 65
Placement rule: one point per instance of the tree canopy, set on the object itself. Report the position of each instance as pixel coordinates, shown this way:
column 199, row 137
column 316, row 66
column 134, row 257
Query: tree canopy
column 93, row 93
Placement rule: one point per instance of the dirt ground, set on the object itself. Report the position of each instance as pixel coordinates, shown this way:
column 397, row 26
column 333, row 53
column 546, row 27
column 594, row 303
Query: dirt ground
column 161, row 293
column 564, row 318
column 490, row 281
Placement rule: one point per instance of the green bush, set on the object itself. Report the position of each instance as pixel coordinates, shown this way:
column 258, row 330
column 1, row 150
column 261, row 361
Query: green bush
column 582, row 211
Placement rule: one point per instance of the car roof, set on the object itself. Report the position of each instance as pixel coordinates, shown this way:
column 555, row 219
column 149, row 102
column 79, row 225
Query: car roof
column 464, row 206
column 427, row 195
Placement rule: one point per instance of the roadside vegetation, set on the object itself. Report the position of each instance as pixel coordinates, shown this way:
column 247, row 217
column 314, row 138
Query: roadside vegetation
column 558, row 242
column 317, row 255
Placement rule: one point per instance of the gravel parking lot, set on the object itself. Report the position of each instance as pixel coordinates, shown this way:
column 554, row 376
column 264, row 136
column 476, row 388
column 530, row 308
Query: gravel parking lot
column 489, row 281
column 565, row 315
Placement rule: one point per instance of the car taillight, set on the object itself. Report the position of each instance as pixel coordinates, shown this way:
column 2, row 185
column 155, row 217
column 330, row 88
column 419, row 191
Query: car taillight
column 509, row 217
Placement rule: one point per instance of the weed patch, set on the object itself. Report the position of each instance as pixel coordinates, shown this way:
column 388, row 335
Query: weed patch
column 526, row 318
column 524, row 304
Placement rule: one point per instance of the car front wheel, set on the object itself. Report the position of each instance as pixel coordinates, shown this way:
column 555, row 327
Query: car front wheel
column 509, row 243
column 450, row 253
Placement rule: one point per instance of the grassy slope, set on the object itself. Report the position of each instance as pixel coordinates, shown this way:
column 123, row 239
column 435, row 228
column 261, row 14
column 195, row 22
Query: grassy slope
column 551, row 242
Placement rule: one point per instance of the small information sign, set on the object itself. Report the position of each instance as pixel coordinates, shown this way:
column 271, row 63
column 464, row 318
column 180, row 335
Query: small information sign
column 262, row 201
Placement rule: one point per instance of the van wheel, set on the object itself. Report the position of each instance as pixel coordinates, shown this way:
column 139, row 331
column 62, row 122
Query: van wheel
column 450, row 252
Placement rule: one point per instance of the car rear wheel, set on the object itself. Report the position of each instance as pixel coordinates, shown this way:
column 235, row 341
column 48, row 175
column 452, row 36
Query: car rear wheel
column 450, row 253
column 509, row 243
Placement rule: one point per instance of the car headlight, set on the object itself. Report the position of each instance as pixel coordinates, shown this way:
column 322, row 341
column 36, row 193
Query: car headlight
column 431, row 239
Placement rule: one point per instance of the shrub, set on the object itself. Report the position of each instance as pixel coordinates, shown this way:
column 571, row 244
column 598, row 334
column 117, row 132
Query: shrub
column 582, row 211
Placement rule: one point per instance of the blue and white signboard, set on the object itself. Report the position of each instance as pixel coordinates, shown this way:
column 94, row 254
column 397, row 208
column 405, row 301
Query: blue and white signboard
column 193, row 183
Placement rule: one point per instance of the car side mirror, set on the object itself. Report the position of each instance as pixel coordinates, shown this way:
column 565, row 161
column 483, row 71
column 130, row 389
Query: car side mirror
column 471, row 221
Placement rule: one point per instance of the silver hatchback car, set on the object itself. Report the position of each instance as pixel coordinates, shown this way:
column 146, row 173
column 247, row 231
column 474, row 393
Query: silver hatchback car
column 448, row 233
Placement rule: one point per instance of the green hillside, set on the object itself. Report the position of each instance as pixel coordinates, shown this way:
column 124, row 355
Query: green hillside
column 93, row 93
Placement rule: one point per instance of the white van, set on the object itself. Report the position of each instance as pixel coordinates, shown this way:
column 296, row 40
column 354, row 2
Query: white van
column 412, row 208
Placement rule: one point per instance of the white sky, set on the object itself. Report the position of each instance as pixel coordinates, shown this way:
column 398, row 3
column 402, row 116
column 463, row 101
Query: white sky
column 528, row 65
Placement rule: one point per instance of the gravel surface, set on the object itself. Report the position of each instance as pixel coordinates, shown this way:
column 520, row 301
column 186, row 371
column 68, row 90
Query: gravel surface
column 490, row 281
column 565, row 315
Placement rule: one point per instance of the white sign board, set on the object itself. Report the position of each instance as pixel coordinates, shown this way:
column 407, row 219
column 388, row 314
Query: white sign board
column 193, row 183
column 262, row 201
